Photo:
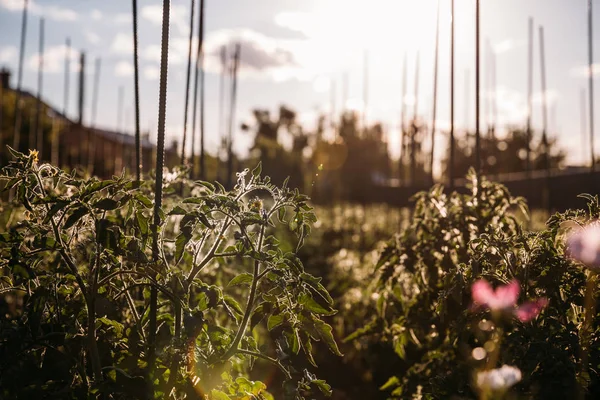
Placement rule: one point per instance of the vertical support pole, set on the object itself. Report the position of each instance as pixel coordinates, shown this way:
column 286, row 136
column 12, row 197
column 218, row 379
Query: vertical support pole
column 222, row 131
column 591, row 82
column 544, row 102
column 65, row 125
column 160, row 162
column 402, row 161
column 202, row 96
column 584, row 142
column 435, row 90
column 195, row 101
column 17, row 123
column 477, row 89
column 529, row 97
column 365, row 90
column 236, row 61
column 451, row 156
column 187, row 83
column 92, row 137
column 136, row 69
column 39, row 132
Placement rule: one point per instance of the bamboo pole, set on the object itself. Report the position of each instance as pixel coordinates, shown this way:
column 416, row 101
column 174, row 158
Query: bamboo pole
column 544, row 102
column 92, row 137
column 591, row 82
column 222, row 132
column 187, row 82
column 65, row 125
column 234, row 72
column 195, row 100
column 39, row 141
column 529, row 96
column 435, row 90
column 365, row 90
column 136, row 69
column 451, row 156
column 80, row 101
column 402, row 161
column 17, row 122
column 583, row 126
column 414, row 129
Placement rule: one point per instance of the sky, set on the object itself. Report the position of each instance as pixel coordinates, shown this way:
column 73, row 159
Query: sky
column 300, row 52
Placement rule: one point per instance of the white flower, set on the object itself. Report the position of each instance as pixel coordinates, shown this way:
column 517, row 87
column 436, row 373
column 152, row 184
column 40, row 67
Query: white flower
column 499, row 379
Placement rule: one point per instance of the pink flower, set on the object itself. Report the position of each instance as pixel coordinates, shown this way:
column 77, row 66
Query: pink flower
column 584, row 246
column 504, row 299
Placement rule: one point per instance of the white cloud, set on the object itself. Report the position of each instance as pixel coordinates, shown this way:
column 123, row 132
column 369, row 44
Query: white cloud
column 122, row 44
column 8, row 54
column 52, row 12
column 178, row 16
column 151, row 73
column 54, row 59
column 123, row 68
column 92, row 37
column 122, row 18
column 260, row 55
column 96, row 15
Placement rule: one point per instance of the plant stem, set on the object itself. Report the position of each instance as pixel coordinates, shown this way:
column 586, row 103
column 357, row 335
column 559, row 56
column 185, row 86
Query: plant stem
column 242, row 328
column 589, row 306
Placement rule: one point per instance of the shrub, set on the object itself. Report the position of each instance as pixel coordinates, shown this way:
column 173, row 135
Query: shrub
column 78, row 276
column 424, row 309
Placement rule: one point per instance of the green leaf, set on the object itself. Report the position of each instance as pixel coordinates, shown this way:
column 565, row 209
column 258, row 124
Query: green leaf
column 274, row 321
column 242, row 279
column 193, row 200
column 207, row 185
column 325, row 332
column 323, row 386
column 315, row 283
column 233, row 304
column 310, row 304
column 142, row 222
column 182, row 240
column 391, row 383
column 177, row 210
column 144, row 200
column 218, row 395
column 257, row 171
column 118, row 327
column 106, row 204
column 75, row 216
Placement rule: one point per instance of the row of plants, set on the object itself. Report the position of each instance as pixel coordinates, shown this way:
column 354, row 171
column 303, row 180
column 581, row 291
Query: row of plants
column 240, row 310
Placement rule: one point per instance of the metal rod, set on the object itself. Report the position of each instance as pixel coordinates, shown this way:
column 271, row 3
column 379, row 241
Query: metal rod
column 591, row 82
column 416, row 105
column 494, row 92
column 477, row 89
column 202, row 96
column 529, row 97
column 160, row 154
column 187, row 82
column 39, row 132
column 451, row 156
column 17, row 126
column 435, row 90
column 136, row 69
column 82, row 150
column 414, row 127
column 236, row 60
